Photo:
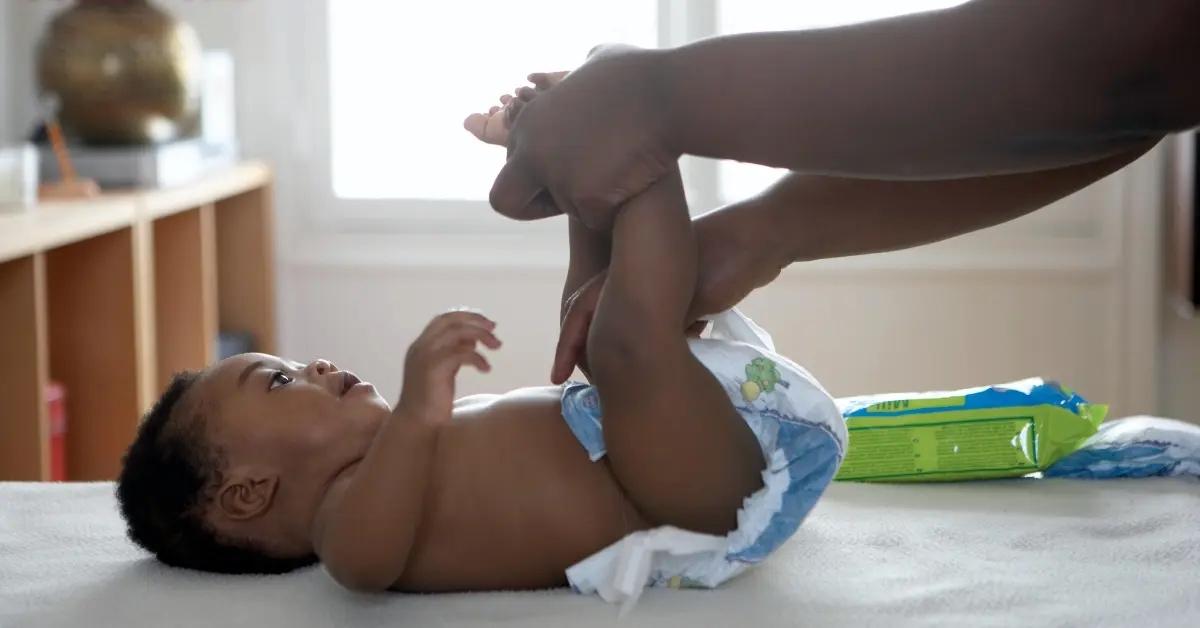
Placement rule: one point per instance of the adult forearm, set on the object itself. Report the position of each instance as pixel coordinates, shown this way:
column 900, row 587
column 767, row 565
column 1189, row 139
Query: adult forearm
column 991, row 86
column 806, row 217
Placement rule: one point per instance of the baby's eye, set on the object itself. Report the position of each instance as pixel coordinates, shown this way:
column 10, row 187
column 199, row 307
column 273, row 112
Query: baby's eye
column 278, row 378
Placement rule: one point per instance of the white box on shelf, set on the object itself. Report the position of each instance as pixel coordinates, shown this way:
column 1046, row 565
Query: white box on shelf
column 18, row 177
column 156, row 165
column 218, row 115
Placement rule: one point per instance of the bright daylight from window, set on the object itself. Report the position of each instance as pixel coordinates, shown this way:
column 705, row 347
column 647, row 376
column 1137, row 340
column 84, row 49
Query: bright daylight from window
column 403, row 79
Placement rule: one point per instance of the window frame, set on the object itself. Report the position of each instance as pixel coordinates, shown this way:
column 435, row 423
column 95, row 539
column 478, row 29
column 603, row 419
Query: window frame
column 377, row 231
column 678, row 21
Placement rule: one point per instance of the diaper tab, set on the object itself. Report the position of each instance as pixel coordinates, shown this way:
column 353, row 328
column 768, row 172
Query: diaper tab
column 619, row 573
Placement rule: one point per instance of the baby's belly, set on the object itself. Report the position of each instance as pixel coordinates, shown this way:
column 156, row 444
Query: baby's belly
column 515, row 501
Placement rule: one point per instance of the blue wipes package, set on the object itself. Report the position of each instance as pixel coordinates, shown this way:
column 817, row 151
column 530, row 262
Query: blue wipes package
column 1136, row 447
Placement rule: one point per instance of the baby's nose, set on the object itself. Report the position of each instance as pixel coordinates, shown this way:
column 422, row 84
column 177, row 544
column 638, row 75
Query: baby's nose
column 321, row 367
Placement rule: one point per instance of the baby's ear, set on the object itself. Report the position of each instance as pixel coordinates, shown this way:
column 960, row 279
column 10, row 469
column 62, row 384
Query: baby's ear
column 245, row 496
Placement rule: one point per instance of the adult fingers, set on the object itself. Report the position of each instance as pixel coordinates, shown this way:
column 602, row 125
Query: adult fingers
column 572, row 340
column 573, row 334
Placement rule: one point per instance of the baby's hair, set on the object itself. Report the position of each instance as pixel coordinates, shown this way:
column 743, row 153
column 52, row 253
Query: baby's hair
column 165, row 484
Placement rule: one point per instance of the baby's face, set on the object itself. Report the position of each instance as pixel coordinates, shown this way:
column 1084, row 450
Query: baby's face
column 305, row 421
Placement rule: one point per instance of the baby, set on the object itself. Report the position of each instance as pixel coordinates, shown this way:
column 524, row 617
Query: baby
column 262, row 465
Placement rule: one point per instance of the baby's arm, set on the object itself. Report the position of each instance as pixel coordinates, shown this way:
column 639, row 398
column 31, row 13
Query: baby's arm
column 366, row 524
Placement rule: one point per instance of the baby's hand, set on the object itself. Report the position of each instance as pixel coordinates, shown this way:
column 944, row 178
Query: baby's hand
column 493, row 127
column 433, row 360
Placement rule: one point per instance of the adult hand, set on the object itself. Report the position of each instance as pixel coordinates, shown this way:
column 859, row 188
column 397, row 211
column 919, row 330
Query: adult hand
column 592, row 142
column 735, row 258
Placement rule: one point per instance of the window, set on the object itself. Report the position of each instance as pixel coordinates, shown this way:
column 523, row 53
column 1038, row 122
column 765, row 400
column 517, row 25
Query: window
column 403, row 75
column 403, row 78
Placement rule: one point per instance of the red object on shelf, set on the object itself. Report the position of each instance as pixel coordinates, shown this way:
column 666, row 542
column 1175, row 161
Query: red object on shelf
column 56, row 403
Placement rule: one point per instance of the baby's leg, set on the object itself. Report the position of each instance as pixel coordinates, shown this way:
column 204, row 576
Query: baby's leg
column 675, row 443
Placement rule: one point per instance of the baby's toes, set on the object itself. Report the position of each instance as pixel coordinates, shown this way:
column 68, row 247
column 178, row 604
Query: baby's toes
column 476, row 123
column 488, row 128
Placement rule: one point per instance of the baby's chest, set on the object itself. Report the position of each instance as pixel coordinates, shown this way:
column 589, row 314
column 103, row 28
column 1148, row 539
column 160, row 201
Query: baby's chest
column 515, row 473
column 533, row 503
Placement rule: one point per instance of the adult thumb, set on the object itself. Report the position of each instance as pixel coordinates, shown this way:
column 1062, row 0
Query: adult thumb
column 514, row 191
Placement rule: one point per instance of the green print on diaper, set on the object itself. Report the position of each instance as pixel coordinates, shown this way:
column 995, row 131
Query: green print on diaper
column 761, row 377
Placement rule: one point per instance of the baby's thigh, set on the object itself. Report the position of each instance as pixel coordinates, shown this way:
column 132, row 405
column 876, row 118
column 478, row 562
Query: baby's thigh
column 679, row 449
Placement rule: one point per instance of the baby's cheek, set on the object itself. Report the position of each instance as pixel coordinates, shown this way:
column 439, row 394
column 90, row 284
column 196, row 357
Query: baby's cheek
column 319, row 430
column 324, row 433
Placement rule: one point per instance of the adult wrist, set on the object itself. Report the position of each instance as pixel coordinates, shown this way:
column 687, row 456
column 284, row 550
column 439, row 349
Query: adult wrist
column 665, row 75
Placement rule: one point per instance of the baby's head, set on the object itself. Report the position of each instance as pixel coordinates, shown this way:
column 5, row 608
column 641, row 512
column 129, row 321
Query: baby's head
column 229, row 467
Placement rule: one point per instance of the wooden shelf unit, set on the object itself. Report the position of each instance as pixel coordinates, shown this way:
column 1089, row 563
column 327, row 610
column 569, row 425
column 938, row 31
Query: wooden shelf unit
column 111, row 296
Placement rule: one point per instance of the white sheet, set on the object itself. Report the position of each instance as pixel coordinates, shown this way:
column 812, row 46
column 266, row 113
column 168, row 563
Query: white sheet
column 1019, row 553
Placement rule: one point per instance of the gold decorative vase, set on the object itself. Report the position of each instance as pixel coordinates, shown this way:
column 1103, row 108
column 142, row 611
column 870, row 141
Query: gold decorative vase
column 124, row 72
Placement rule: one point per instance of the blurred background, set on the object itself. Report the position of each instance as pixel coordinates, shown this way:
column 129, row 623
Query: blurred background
column 382, row 219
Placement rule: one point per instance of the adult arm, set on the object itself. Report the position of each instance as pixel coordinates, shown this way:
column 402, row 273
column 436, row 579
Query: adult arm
column 992, row 86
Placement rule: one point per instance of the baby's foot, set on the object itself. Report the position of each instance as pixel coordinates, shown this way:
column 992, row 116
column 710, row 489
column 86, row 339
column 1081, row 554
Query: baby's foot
column 493, row 127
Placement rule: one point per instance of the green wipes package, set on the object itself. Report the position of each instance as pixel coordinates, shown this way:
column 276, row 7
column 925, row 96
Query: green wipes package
column 1008, row 430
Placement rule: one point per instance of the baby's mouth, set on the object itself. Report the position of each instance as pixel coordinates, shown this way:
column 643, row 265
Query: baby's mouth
column 349, row 380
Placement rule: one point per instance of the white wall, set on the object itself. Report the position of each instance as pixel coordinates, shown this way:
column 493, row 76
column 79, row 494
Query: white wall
column 857, row 330
column 1071, row 293
column 6, row 25
column 1181, row 361
column 984, row 309
column 1181, row 326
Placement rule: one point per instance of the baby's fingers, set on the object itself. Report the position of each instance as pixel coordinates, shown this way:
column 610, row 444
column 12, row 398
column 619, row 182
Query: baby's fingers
column 486, row 337
column 463, row 333
column 475, row 359
column 462, row 315
column 467, row 335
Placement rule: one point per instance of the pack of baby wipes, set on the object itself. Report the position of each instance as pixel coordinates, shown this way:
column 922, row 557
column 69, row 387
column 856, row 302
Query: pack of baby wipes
column 1137, row 447
column 1007, row 430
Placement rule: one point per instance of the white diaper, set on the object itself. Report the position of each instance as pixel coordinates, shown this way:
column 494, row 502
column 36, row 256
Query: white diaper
column 803, row 440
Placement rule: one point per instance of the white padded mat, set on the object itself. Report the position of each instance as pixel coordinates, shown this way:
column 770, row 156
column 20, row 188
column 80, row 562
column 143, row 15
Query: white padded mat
column 1011, row 553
